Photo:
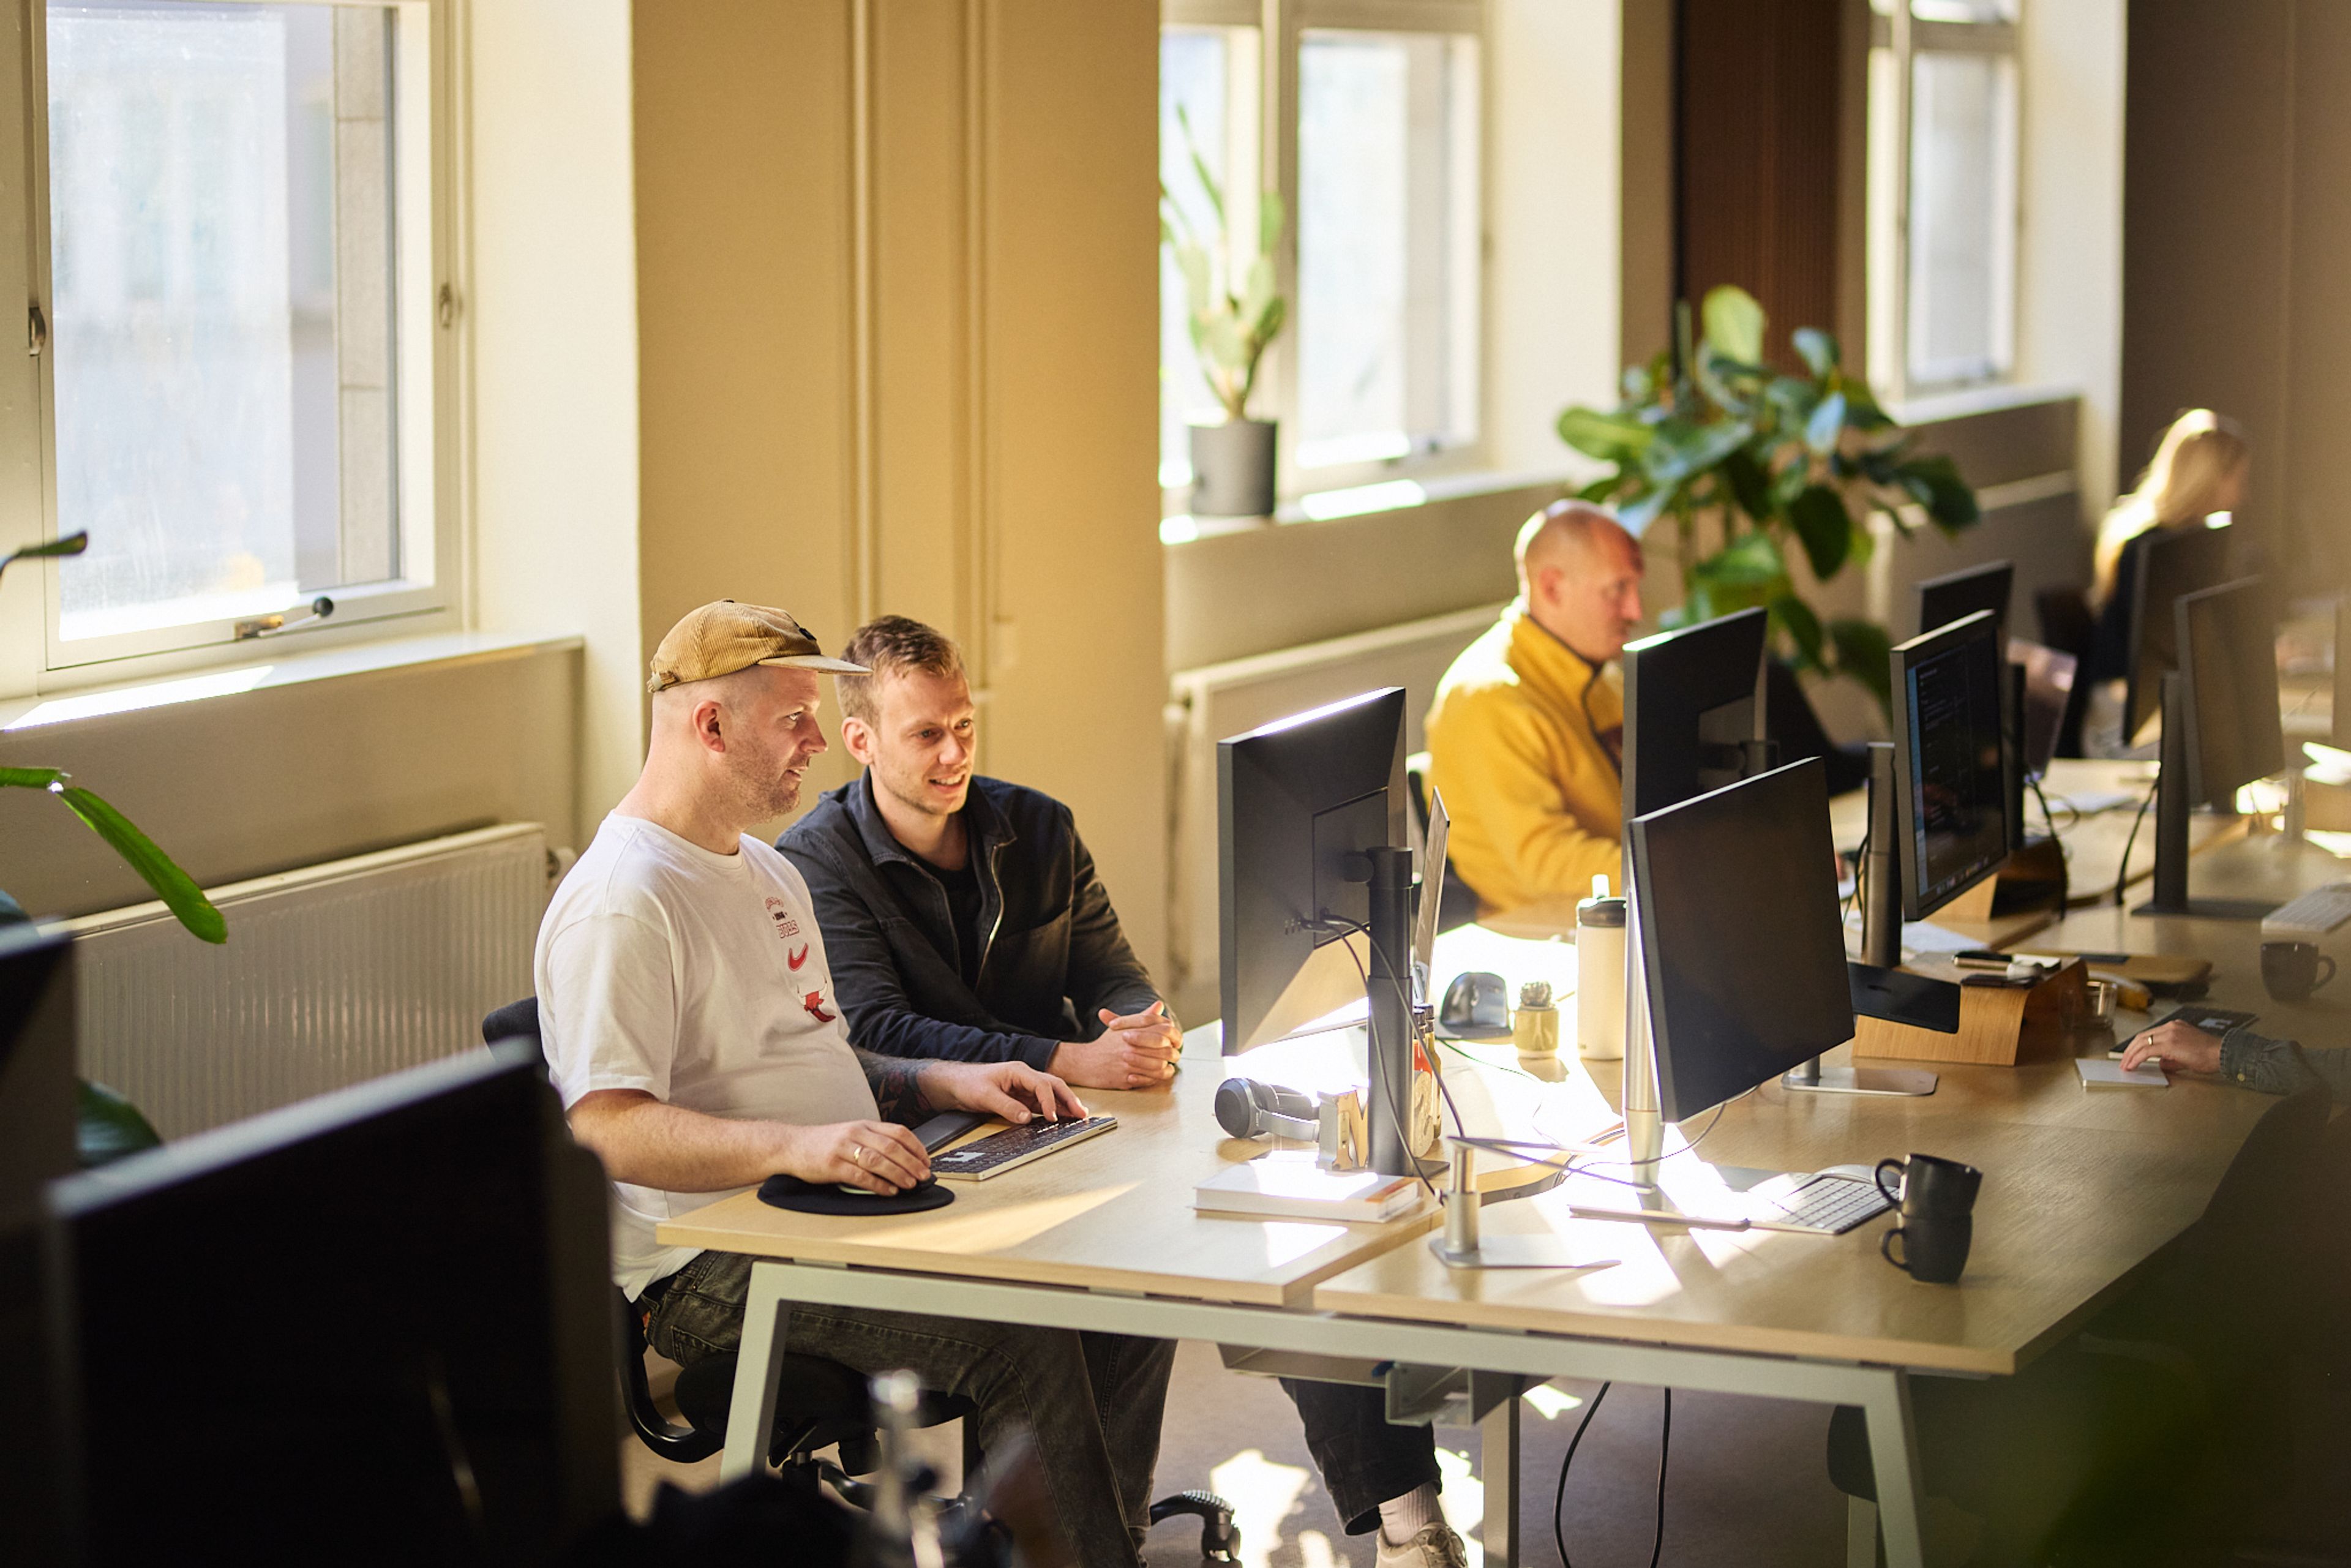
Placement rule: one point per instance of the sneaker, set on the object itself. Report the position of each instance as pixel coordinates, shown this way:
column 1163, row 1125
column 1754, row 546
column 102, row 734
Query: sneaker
column 1434, row 1547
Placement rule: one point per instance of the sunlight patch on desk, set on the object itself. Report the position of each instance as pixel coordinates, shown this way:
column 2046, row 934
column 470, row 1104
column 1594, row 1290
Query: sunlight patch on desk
column 968, row 1227
column 1288, row 1240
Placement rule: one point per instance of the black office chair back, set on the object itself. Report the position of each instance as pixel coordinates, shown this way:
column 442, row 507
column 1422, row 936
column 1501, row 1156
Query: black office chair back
column 1796, row 731
column 2068, row 625
column 514, row 1019
column 1456, row 900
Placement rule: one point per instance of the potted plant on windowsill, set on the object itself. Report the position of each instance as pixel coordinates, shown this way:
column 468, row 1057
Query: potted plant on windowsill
column 1750, row 462
column 109, row 1126
column 1232, row 461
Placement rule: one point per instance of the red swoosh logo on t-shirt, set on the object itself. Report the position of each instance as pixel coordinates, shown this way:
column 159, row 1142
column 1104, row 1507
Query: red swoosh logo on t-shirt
column 797, row 959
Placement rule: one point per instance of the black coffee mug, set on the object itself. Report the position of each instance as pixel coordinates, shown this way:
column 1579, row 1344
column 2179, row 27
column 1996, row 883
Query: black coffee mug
column 1934, row 1246
column 1939, row 1199
column 2290, row 970
column 1931, row 1185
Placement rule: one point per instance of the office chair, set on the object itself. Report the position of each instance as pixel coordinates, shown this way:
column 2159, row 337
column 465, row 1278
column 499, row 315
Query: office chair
column 1792, row 727
column 1457, row 901
column 820, row 1403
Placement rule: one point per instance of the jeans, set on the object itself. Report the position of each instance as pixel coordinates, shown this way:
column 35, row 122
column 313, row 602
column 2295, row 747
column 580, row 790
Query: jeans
column 1091, row 1402
column 1364, row 1459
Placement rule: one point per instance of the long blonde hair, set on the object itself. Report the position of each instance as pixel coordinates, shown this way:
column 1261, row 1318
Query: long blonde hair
column 2193, row 465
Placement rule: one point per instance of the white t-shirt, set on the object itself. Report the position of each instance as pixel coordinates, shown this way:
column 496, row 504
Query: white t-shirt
column 699, row 979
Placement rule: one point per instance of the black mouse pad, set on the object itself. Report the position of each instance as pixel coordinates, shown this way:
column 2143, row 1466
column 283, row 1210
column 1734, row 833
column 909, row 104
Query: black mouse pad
column 822, row 1198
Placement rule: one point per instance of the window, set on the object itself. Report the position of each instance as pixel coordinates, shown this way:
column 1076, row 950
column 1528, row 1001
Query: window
column 1943, row 120
column 1368, row 120
column 240, row 291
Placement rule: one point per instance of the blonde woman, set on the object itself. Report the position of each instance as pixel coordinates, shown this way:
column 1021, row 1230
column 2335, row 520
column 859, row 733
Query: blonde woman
column 2198, row 469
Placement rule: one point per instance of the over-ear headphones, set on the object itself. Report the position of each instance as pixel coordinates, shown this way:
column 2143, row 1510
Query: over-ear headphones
column 1248, row 1109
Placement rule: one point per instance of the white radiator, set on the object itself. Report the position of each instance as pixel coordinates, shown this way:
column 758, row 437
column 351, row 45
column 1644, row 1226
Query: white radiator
column 1209, row 704
column 331, row 975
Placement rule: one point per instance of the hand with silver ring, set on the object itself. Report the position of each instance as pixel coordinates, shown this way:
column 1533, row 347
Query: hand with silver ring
column 878, row 1156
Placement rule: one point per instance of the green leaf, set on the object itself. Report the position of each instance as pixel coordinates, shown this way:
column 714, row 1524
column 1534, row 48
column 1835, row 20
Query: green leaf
column 1637, row 384
column 32, row 778
column 107, row 1127
column 1821, row 520
column 1934, row 482
column 1818, row 349
column 1611, row 437
column 173, row 886
column 1257, row 292
column 1270, row 219
column 1637, row 514
column 1200, row 167
column 1601, row 489
column 1864, row 655
column 1862, row 410
column 1750, row 560
column 1750, row 487
column 1826, row 424
column 1795, row 617
column 1734, row 323
column 1682, row 449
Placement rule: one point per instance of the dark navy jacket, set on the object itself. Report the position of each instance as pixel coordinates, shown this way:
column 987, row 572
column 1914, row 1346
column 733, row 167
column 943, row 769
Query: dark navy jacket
column 1050, row 949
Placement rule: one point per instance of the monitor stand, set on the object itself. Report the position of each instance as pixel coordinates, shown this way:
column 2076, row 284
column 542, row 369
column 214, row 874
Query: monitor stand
column 1881, row 949
column 2171, row 810
column 1388, row 1107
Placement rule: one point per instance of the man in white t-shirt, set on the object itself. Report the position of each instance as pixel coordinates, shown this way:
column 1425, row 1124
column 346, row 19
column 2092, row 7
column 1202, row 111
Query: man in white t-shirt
column 694, row 1032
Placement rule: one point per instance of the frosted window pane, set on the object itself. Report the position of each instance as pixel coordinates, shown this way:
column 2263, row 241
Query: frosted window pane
column 1962, row 217
column 221, row 244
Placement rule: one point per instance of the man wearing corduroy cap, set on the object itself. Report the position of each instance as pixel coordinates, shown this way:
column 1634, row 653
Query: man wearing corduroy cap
column 690, row 1019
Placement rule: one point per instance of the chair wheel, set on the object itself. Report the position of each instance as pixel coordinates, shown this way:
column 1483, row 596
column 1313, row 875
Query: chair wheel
column 1219, row 1541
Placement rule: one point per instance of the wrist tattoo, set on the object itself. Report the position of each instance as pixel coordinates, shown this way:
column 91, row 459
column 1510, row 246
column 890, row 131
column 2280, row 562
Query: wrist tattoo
column 896, row 1082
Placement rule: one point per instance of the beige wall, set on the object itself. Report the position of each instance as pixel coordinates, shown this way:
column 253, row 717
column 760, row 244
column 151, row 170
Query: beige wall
column 2234, row 293
column 551, row 302
column 897, row 274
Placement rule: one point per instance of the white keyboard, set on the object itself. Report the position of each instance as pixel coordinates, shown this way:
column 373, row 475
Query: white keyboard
column 2314, row 914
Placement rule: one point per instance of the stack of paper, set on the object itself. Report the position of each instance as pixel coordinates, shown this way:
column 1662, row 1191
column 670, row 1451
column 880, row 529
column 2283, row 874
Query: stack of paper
column 1288, row 1185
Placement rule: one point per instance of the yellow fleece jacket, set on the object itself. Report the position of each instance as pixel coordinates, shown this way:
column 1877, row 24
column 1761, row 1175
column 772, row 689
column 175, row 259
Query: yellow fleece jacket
column 1530, row 782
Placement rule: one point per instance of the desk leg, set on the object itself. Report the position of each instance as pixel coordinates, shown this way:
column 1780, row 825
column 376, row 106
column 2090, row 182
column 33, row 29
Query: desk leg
column 1498, row 1466
column 1893, row 1461
column 752, row 1413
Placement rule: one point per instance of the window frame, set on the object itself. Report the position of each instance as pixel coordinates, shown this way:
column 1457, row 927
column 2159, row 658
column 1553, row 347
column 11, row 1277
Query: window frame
column 1281, row 26
column 1904, row 36
column 435, row 530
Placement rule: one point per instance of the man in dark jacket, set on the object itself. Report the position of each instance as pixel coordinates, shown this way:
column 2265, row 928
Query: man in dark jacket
column 964, row 921
column 961, row 915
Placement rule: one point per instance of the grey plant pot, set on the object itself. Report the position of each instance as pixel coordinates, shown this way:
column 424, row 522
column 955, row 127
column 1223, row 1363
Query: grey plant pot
column 1232, row 469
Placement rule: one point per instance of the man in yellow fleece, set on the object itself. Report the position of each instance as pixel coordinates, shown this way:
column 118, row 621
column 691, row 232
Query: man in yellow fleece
column 1526, row 736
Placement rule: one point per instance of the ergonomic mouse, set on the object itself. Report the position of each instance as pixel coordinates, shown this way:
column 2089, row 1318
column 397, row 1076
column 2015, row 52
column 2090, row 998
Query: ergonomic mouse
column 1476, row 1007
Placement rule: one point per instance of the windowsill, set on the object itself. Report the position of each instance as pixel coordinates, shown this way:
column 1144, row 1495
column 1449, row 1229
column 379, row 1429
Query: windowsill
column 293, row 668
column 1365, row 500
column 1933, row 408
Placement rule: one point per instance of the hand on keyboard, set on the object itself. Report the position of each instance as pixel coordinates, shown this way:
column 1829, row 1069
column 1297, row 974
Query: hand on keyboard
column 1012, row 1089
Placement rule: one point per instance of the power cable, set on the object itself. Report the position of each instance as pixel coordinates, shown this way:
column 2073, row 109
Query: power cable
column 1664, row 1452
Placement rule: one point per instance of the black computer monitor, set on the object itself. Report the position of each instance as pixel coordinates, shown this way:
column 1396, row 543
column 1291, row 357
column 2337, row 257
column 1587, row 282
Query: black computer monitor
column 2049, row 675
column 1742, row 950
column 1691, row 718
column 1956, row 595
column 1951, row 798
column 374, row 1326
column 2228, row 671
column 2220, row 730
column 2172, row 562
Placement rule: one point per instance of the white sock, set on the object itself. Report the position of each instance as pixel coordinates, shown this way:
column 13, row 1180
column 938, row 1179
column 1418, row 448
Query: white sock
column 1402, row 1518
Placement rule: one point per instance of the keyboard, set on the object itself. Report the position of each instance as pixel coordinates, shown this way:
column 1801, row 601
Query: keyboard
column 1826, row 1205
column 1015, row 1146
column 2314, row 914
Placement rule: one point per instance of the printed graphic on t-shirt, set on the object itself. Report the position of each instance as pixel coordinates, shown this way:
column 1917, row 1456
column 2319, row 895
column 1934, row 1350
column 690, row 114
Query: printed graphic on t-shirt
column 785, row 926
column 795, row 959
column 814, row 1002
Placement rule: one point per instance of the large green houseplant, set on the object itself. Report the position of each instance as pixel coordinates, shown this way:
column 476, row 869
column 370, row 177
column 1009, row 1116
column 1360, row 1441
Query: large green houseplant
column 1756, row 466
column 1233, row 313
column 109, row 1126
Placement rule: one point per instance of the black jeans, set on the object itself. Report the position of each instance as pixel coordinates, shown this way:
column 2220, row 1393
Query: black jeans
column 1091, row 1403
column 1364, row 1460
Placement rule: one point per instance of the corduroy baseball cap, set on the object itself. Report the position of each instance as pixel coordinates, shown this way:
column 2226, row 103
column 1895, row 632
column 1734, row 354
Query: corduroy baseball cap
column 722, row 638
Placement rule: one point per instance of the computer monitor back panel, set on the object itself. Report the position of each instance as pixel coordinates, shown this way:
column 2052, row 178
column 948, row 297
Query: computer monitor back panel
column 2048, row 693
column 1295, row 800
column 1957, row 595
column 1741, row 946
column 2227, row 642
column 363, row 1295
column 2172, row 562
column 1951, row 798
column 1689, row 704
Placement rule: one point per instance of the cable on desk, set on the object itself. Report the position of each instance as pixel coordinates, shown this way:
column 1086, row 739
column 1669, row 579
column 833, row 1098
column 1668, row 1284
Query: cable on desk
column 2122, row 871
column 1665, row 1451
column 2073, row 813
column 1395, row 1116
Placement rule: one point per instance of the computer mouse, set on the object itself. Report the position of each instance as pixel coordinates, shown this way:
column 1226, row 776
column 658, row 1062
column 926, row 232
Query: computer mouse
column 1476, row 1006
